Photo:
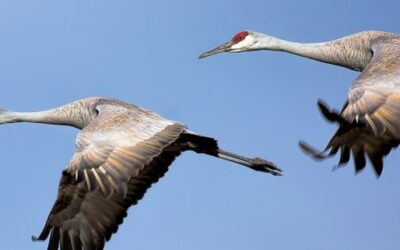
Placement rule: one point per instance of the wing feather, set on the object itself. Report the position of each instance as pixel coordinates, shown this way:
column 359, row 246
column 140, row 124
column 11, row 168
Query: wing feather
column 370, row 121
column 118, row 157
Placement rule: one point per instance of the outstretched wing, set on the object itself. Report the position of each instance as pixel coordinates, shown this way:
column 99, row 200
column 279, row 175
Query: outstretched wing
column 370, row 120
column 118, row 157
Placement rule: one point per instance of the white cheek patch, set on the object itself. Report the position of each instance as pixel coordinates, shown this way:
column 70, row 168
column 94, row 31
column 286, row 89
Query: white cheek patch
column 245, row 43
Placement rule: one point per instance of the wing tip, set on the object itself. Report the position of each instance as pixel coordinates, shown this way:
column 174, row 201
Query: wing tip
column 35, row 238
column 311, row 151
column 377, row 163
column 331, row 115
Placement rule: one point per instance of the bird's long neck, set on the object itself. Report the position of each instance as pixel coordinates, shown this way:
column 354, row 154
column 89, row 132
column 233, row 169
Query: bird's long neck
column 71, row 114
column 353, row 52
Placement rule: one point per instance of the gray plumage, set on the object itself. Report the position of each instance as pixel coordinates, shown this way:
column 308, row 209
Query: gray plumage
column 369, row 123
column 121, row 151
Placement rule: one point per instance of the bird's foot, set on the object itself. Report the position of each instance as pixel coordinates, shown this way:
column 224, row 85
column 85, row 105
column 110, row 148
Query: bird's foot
column 262, row 165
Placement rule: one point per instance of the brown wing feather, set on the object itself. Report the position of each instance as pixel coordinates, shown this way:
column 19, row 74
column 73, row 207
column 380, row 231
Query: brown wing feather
column 369, row 123
column 118, row 157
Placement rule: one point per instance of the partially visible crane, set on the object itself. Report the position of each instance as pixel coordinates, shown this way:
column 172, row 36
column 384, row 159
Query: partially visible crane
column 121, row 151
column 369, row 123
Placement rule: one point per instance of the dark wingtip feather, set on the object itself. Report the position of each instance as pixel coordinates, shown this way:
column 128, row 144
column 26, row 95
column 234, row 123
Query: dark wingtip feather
column 43, row 235
column 344, row 156
column 336, row 167
column 378, row 169
column 54, row 239
column 316, row 154
column 359, row 160
column 377, row 163
column 323, row 108
column 35, row 238
column 330, row 115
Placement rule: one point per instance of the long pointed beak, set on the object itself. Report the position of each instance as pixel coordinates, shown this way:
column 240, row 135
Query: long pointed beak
column 222, row 48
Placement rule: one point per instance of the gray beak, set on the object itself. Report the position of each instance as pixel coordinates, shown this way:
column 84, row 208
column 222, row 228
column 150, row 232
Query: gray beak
column 222, row 48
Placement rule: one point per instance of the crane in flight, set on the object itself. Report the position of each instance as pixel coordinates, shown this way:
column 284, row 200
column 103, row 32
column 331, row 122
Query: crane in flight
column 369, row 122
column 121, row 151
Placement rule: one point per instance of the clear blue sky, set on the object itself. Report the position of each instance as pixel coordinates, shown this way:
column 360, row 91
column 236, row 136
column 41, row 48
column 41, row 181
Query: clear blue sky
column 256, row 104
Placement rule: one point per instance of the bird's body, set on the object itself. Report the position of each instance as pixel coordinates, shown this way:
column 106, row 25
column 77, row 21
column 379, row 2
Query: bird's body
column 121, row 151
column 369, row 123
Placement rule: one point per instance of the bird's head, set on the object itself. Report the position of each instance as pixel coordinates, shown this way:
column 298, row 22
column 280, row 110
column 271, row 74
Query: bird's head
column 242, row 41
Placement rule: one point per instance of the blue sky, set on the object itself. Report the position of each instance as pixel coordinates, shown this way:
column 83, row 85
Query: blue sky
column 256, row 104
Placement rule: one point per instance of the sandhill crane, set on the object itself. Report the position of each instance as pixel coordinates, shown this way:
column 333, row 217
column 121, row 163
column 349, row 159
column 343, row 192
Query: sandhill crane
column 121, row 151
column 369, row 122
